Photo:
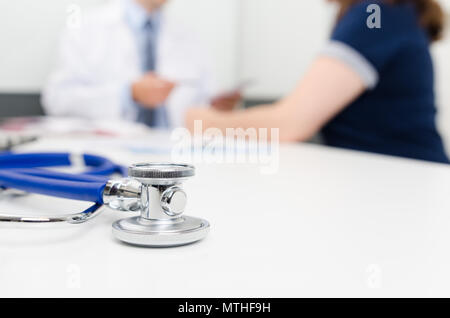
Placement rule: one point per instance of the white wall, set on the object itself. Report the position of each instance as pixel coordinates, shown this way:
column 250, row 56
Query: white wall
column 29, row 32
column 216, row 22
column 441, row 53
column 279, row 39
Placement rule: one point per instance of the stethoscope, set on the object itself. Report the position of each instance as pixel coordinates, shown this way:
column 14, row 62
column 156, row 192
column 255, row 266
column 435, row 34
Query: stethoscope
column 153, row 189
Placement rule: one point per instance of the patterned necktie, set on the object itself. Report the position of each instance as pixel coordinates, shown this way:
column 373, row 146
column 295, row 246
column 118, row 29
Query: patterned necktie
column 146, row 115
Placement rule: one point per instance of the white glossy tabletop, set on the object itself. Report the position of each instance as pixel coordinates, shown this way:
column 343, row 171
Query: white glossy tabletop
column 328, row 223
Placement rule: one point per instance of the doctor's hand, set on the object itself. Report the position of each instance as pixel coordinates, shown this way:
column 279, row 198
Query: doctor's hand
column 151, row 90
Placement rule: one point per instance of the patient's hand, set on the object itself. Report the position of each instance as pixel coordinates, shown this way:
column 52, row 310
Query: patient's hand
column 151, row 91
column 226, row 102
column 205, row 114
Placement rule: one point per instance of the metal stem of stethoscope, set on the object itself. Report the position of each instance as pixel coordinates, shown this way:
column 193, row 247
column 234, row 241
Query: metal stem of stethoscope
column 155, row 190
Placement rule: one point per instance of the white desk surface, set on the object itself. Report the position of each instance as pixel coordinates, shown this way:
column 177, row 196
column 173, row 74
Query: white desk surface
column 329, row 223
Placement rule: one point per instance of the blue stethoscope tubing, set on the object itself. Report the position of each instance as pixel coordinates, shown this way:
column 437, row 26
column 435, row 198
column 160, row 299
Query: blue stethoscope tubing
column 27, row 172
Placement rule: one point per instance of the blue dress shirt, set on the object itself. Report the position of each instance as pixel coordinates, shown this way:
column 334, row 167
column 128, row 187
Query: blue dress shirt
column 138, row 20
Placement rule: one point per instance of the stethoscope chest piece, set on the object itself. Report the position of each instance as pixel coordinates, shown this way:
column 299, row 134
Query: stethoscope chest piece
column 153, row 190
column 162, row 201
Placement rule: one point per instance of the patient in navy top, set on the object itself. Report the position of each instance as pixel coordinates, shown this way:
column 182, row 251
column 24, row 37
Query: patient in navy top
column 397, row 114
column 370, row 89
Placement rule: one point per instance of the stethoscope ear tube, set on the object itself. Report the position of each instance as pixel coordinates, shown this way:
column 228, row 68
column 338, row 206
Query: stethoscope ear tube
column 44, row 173
column 99, row 166
column 25, row 172
column 74, row 190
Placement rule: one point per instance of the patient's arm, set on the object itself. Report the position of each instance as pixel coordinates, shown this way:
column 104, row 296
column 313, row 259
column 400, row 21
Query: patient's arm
column 328, row 87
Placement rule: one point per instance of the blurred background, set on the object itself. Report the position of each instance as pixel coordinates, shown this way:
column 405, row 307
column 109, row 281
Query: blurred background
column 270, row 42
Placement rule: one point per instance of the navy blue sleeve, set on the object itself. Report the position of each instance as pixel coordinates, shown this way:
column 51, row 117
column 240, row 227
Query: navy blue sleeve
column 377, row 45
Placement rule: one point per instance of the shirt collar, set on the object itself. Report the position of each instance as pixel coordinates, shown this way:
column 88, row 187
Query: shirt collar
column 137, row 16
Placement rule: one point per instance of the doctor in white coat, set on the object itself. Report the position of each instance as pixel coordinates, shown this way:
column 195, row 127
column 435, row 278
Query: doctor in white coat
column 128, row 60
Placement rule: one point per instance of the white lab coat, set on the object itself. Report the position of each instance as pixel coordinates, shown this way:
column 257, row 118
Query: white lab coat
column 99, row 59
